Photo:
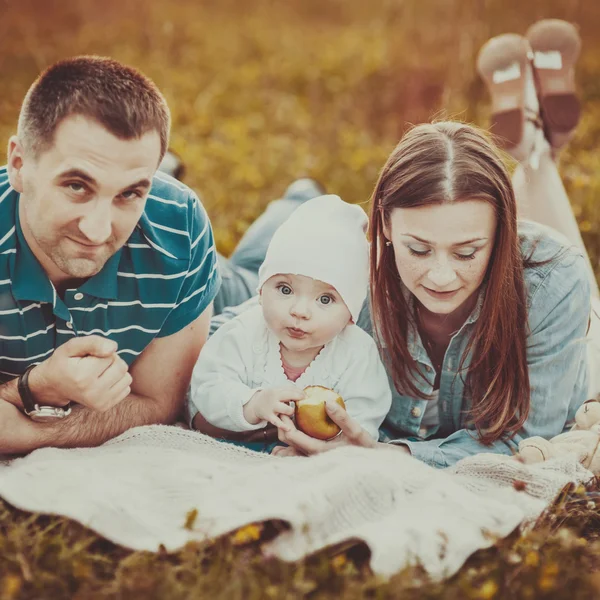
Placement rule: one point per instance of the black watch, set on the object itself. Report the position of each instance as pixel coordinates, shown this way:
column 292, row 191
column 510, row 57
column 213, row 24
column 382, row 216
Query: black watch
column 31, row 408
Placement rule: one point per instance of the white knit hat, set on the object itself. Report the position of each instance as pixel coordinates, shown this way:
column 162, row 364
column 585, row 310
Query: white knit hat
column 324, row 238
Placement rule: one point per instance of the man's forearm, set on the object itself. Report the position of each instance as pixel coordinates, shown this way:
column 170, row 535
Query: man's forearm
column 10, row 393
column 85, row 427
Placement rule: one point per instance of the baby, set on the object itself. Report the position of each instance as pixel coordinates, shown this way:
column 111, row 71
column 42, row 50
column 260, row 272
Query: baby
column 311, row 288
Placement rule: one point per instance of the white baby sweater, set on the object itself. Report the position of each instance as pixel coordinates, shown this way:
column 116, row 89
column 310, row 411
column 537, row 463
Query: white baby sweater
column 243, row 357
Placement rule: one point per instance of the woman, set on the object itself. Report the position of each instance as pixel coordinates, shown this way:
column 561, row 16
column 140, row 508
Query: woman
column 483, row 323
column 483, row 326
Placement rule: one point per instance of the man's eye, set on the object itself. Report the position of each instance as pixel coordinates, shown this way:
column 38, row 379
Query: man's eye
column 326, row 299
column 78, row 188
column 286, row 290
column 131, row 195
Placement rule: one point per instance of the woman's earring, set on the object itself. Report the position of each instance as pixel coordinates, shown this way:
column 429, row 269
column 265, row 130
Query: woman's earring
column 388, row 243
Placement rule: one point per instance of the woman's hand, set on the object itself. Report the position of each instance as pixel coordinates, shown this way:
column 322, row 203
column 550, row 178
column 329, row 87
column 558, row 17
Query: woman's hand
column 352, row 433
column 286, row 451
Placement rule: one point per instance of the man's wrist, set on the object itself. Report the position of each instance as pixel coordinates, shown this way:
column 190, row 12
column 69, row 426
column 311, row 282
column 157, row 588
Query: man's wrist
column 39, row 387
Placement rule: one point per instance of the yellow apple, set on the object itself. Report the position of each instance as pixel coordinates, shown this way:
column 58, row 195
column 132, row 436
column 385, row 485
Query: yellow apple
column 311, row 416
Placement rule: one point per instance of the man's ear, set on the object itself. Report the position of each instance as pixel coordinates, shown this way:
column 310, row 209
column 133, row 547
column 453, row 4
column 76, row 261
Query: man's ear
column 16, row 158
column 260, row 296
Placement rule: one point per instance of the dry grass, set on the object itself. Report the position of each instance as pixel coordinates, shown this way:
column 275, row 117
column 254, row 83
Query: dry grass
column 263, row 92
column 54, row 558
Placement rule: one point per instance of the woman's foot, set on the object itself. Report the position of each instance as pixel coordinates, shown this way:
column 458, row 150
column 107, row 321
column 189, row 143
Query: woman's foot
column 556, row 46
column 504, row 63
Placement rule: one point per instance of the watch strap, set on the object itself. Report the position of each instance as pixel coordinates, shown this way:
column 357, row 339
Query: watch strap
column 27, row 399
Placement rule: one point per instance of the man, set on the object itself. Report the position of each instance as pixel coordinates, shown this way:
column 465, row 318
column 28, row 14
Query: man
column 107, row 269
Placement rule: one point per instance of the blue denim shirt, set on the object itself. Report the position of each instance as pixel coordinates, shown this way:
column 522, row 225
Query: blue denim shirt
column 558, row 301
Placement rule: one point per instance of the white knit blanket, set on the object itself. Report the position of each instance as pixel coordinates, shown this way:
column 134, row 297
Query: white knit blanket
column 137, row 489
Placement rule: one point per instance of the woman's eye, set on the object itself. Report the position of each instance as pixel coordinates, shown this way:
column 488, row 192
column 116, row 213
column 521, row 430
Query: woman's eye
column 416, row 252
column 286, row 290
column 470, row 256
column 325, row 299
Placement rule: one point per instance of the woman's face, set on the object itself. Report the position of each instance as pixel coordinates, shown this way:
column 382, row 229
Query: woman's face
column 442, row 250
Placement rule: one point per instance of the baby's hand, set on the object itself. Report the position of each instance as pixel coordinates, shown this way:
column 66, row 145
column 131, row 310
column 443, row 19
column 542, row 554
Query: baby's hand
column 267, row 405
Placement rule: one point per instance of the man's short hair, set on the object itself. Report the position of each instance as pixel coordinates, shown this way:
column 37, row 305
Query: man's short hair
column 117, row 96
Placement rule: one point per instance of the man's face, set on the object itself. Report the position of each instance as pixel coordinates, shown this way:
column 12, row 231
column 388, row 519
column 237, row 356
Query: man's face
column 82, row 198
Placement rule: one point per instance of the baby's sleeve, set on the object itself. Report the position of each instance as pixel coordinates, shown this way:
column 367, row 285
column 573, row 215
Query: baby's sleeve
column 364, row 385
column 221, row 384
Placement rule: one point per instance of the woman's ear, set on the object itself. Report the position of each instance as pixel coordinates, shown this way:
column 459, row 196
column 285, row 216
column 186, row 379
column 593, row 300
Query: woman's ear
column 385, row 225
column 386, row 232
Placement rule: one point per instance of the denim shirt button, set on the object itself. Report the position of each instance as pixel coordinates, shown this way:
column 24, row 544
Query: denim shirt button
column 415, row 412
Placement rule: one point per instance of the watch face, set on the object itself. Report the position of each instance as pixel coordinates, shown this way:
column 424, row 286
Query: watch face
column 43, row 418
column 48, row 413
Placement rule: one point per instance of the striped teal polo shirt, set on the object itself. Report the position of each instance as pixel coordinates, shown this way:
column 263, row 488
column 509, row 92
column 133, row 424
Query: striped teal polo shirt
column 160, row 281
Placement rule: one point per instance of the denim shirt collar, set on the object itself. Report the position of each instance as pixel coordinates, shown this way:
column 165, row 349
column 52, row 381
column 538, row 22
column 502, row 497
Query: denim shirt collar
column 415, row 344
column 476, row 312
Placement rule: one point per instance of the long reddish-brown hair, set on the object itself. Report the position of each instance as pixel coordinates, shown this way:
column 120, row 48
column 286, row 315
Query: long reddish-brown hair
column 449, row 162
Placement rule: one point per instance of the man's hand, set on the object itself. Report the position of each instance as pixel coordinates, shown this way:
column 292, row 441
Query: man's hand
column 352, row 433
column 269, row 405
column 86, row 370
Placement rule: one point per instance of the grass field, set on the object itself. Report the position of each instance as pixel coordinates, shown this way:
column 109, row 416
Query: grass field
column 262, row 92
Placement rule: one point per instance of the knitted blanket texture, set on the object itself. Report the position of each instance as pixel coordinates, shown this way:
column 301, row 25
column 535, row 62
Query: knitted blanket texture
column 137, row 489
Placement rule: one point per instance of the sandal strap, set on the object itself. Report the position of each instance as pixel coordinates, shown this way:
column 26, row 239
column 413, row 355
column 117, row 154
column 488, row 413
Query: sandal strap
column 533, row 117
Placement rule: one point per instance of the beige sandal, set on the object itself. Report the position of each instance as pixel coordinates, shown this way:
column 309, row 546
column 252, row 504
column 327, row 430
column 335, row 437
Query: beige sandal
column 556, row 46
column 502, row 63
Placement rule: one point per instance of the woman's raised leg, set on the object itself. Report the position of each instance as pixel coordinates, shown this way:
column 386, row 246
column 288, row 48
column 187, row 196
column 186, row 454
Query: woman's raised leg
column 535, row 113
column 541, row 197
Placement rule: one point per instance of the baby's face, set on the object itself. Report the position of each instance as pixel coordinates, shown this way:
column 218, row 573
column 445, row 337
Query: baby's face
column 304, row 313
